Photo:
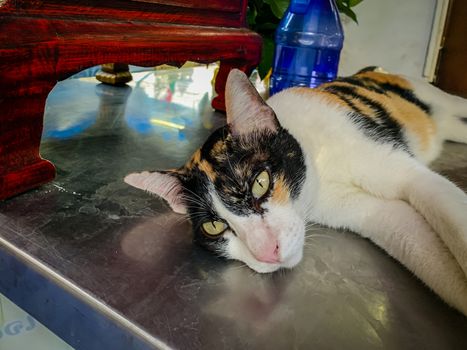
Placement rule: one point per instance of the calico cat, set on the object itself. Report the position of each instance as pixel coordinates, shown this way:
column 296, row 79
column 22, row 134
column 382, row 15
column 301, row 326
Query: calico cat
column 349, row 154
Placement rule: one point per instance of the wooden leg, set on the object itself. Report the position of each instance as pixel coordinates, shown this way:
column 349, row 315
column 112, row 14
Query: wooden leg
column 218, row 102
column 21, row 167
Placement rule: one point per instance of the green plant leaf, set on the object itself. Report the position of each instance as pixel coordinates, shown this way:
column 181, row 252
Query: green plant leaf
column 353, row 3
column 257, row 3
column 266, row 57
column 278, row 7
column 266, row 27
column 348, row 12
column 251, row 16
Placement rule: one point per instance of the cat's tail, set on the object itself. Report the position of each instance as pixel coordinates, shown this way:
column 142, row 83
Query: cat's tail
column 444, row 207
column 449, row 111
column 454, row 127
column 452, row 120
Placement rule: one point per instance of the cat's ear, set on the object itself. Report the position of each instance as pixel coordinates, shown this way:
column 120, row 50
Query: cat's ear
column 164, row 184
column 246, row 110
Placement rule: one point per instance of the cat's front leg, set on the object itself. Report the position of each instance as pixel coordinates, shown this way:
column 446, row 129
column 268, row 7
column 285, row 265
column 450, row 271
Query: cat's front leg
column 441, row 203
column 404, row 234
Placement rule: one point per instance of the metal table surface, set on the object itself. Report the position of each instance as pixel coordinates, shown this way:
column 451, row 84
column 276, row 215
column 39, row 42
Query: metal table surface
column 92, row 258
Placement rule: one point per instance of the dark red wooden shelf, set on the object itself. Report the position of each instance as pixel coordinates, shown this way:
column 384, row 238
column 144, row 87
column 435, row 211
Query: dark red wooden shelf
column 42, row 42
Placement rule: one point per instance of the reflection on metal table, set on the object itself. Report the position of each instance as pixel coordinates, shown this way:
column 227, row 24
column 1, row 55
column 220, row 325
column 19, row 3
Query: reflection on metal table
column 106, row 266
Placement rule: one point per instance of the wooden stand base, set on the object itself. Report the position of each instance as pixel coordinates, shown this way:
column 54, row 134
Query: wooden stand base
column 36, row 52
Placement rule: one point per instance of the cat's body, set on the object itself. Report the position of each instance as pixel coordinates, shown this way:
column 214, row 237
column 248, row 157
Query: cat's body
column 351, row 154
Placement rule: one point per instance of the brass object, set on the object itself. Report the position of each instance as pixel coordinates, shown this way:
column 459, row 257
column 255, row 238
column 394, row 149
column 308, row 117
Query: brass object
column 114, row 74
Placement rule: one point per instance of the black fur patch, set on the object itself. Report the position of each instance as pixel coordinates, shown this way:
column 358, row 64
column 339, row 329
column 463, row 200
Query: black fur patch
column 407, row 95
column 347, row 101
column 363, row 83
column 383, row 128
column 200, row 208
column 368, row 69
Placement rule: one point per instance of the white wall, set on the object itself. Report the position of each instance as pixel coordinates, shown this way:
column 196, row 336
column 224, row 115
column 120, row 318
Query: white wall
column 393, row 34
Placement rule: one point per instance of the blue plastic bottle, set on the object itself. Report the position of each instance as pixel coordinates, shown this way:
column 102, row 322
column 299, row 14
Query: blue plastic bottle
column 308, row 40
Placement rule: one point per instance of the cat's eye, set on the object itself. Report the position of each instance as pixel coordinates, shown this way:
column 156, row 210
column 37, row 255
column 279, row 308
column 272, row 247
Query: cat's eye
column 214, row 228
column 260, row 185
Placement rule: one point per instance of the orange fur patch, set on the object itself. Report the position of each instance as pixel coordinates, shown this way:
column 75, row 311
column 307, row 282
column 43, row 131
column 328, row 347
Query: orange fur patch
column 207, row 168
column 280, row 193
column 218, row 151
column 195, row 158
column 203, row 165
column 219, row 147
column 326, row 96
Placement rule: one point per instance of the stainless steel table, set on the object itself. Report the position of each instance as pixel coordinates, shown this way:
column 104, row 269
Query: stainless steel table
column 106, row 266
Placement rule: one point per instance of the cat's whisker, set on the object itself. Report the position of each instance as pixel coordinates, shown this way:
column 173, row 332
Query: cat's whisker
column 316, row 237
column 199, row 201
column 195, row 195
column 312, row 228
column 198, row 215
column 182, row 219
column 241, row 266
column 234, row 180
column 253, row 273
column 195, row 204
column 311, row 234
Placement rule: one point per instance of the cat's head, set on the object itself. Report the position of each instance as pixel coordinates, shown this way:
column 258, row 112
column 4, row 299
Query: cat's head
column 242, row 188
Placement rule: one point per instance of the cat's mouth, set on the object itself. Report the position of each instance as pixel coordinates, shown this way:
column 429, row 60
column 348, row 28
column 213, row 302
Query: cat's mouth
column 264, row 267
column 267, row 267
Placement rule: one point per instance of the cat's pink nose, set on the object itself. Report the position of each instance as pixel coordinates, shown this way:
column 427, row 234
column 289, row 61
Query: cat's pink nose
column 269, row 254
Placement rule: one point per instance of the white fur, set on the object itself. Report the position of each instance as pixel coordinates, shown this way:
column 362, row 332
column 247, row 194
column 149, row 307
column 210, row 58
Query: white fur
column 417, row 216
column 280, row 220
